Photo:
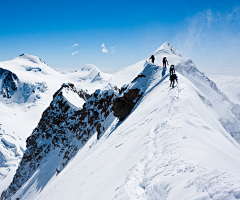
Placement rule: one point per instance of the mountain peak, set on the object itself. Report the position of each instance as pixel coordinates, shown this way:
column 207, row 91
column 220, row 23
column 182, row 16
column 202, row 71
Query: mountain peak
column 30, row 58
column 167, row 48
column 89, row 67
column 88, row 71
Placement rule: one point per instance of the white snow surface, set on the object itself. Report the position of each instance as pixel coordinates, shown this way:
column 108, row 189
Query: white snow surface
column 73, row 98
column 171, row 146
column 175, row 144
column 229, row 85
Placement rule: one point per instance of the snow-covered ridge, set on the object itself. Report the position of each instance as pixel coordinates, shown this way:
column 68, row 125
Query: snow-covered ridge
column 170, row 141
column 228, row 112
column 30, row 58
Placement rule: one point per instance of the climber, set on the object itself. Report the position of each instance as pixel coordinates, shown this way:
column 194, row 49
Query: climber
column 173, row 77
column 171, row 70
column 165, row 62
column 153, row 58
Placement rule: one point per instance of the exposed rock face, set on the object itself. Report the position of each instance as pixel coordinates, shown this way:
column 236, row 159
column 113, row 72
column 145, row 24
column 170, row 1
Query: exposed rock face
column 63, row 129
column 122, row 106
column 9, row 83
column 13, row 90
column 139, row 76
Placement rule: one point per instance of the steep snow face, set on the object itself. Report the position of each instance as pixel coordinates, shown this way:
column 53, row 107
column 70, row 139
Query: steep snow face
column 171, row 146
column 228, row 113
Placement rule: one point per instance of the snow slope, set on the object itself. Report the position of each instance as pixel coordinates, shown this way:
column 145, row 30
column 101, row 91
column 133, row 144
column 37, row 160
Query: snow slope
column 177, row 143
column 172, row 146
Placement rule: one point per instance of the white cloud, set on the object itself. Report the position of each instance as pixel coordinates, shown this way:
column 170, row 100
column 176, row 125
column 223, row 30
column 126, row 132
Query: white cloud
column 74, row 53
column 104, row 50
column 112, row 50
column 75, row 45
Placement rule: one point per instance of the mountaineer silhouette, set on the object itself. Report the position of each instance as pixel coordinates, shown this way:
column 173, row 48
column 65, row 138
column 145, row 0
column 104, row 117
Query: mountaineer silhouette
column 152, row 58
column 172, row 70
column 173, row 78
column 165, row 62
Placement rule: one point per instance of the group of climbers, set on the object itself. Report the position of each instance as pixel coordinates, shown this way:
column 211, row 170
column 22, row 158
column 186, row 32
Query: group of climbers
column 173, row 76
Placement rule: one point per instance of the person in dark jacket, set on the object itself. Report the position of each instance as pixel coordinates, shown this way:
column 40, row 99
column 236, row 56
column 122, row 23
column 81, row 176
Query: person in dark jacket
column 172, row 70
column 173, row 78
column 152, row 58
column 165, row 62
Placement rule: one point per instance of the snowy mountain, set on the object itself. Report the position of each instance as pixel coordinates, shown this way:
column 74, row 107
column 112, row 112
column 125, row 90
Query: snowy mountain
column 134, row 137
column 27, row 85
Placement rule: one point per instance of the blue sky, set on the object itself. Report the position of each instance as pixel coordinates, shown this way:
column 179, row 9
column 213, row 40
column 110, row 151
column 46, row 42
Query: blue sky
column 206, row 31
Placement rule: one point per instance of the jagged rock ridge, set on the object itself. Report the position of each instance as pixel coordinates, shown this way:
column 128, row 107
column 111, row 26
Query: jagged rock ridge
column 122, row 106
column 62, row 128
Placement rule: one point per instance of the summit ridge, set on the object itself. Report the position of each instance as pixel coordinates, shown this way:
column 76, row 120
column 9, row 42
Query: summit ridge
column 131, row 136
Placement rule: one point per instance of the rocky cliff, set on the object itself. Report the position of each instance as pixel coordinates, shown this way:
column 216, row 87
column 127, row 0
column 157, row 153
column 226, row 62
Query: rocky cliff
column 8, row 83
column 63, row 129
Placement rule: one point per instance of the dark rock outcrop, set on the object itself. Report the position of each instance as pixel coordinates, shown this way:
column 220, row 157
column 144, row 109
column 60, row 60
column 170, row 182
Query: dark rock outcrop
column 9, row 83
column 122, row 106
column 139, row 76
